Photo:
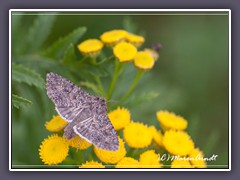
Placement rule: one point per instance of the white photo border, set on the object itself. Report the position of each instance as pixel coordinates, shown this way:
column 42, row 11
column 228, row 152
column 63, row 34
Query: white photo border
column 132, row 11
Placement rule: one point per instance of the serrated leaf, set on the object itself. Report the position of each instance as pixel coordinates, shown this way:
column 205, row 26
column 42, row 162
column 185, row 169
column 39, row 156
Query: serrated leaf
column 40, row 30
column 85, row 75
column 42, row 64
column 18, row 101
column 142, row 97
column 89, row 72
column 100, row 72
column 95, row 70
column 91, row 86
column 69, row 56
column 22, row 74
column 56, row 51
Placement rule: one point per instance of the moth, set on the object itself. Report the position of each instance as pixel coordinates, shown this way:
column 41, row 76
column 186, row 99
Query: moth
column 86, row 114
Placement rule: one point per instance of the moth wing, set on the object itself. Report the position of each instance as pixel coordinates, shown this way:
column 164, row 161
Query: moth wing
column 98, row 130
column 71, row 101
column 69, row 113
column 68, row 98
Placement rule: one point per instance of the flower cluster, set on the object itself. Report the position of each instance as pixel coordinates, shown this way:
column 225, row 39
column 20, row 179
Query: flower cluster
column 125, row 48
column 136, row 136
column 140, row 143
column 178, row 142
column 54, row 149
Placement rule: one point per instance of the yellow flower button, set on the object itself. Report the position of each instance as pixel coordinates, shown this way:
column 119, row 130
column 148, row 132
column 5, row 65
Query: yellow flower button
column 125, row 52
column 135, row 39
column 113, row 37
column 90, row 46
column 143, row 61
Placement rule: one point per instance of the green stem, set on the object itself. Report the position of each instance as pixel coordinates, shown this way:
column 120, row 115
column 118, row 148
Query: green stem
column 93, row 60
column 100, row 86
column 82, row 61
column 130, row 90
column 79, row 156
column 118, row 67
column 105, row 60
column 133, row 86
column 131, row 152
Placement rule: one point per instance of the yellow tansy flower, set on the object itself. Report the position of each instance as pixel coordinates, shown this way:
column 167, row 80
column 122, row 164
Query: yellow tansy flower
column 119, row 118
column 128, row 162
column 90, row 47
column 79, row 143
column 92, row 164
column 181, row 164
column 169, row 120
column 56, row 124
column 157, row 135
column 178, row 142
column 196, row 158
column 111, row 157
column 125, row 52
column 143, row 61
column 149, row 159
column 53, row 150
column 137, row 135
column 152, row 53
column 135, row 39
column 113, row 37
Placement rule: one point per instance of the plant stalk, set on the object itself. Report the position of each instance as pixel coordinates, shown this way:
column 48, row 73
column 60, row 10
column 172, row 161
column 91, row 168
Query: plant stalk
column 133, row 86
column 117, row 69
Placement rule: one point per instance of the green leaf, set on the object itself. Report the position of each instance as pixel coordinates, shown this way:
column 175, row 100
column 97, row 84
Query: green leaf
column 39, row 31
column 100, row 72
column 129, row 25
column 105, row 60
column 18, row 101
column 22, row 74
column 18, row 35
column 140, row 98
column 91, row 86
column 57, row 50
column 39, row 63
column 69, row 56
column 95, row 70
column 89, row 72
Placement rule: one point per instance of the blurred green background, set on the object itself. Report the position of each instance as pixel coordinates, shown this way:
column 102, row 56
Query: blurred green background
column 190, row 78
